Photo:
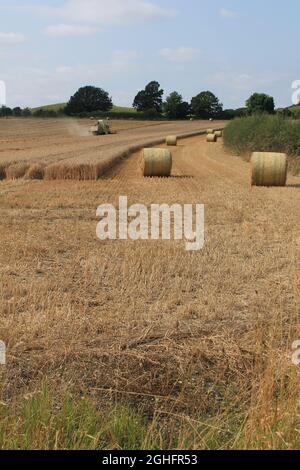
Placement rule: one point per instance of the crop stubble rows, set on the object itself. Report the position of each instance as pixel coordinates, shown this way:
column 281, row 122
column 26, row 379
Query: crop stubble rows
column 189, row 333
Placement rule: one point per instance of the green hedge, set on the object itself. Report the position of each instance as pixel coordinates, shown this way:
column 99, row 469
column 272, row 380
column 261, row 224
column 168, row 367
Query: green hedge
column 124, row 115
column 263, row 133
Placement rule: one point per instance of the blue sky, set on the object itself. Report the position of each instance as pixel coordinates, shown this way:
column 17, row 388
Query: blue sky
column 231, row 47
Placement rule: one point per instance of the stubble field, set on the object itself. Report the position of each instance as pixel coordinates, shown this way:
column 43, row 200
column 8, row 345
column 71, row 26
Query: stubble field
column 198, row 343
column 65, row 149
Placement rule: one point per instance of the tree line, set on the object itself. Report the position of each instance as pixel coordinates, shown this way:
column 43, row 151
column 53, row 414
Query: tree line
column 150, row 102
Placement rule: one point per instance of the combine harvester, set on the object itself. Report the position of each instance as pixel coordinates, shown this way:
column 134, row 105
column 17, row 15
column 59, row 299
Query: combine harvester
column 102, row 128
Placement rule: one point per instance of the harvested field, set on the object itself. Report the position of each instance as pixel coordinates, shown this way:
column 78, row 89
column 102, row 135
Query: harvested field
column 199, row 341
column 67, row 151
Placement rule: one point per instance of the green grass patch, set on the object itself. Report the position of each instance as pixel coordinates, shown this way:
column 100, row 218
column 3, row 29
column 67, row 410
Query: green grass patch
column 294, row 109
column 123, row 109
column 40, row 422
column 50, row 107
column 60, row 106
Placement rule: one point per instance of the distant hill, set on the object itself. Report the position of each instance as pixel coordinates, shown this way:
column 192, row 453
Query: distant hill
column 58, row 106
column 294, row 109
column 50, row 107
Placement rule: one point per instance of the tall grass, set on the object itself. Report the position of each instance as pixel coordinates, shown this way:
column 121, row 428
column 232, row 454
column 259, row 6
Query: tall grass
column 264, row 133
column 40, row 422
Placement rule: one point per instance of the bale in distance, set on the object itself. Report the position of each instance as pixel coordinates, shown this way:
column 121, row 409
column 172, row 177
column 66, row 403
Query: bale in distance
column 219, row 133
column 156, row 162
column 210, row 131
column 171, row 140
column 268, row 169
column 211, row 138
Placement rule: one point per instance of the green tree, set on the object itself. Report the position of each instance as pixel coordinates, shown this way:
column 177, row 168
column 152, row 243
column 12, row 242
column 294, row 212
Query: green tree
column 150, row 98
column 26, row 112
column 260, row 103
column 206, row 105
column 89, row 99
column 5, row 111
column 175, row 107
column 228, row 114
column 241, row 112
column 17, row 111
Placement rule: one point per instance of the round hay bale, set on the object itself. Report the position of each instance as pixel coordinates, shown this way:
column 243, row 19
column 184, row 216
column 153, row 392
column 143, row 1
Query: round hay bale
column 171, row 140
column 268, row 169
column 210, row 131
column 156, row 162
column 211, row 138
column 219, row 133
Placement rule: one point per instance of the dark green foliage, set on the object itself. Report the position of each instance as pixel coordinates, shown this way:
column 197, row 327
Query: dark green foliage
column 17, row 111
column 146, row 116
column 260, row 103
column 206, row 105
column 175, row 107
column 89, row 99
column 26, row 112
column 5, row 111
column 285, row 112
column 228, row 114
column 150, row 98
column 241, row 112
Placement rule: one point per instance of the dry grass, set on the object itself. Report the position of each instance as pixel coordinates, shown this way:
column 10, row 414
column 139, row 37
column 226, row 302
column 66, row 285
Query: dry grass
column 3, row 170
column 36, row 171
column 199, row 344
column 16, row 170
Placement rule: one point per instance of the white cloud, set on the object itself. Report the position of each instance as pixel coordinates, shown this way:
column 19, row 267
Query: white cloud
column 49, row 85
column 61, row 30
column 228, row 13
column 181, row 54
column 103, row 12
column 11, row 39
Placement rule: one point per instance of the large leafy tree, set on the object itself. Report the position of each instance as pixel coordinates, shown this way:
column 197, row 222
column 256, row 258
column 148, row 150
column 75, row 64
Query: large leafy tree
column 260, row 103
column 89, row 99
column 17, row 111
column 5, row 111
column 150, row 98
column 175, row 107
column 206, row 105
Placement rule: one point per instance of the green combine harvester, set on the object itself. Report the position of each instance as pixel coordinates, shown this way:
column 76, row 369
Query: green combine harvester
column 101, row 128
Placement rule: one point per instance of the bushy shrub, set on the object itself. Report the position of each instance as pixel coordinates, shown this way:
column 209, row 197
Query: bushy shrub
column 263, row 133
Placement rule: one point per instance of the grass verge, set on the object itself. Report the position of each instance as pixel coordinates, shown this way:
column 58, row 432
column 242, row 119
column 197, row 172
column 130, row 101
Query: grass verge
column 40, row 422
